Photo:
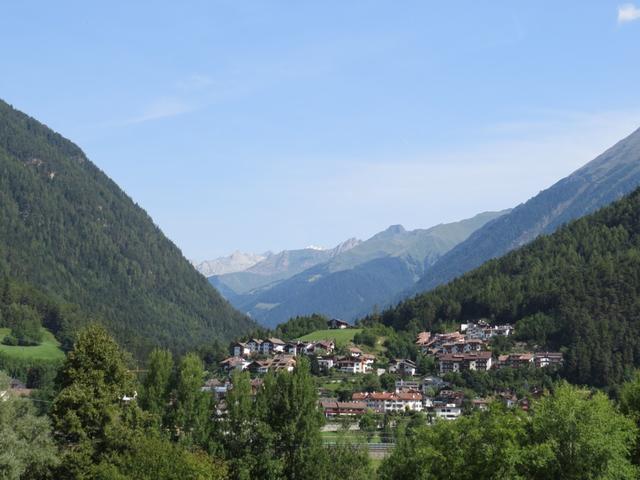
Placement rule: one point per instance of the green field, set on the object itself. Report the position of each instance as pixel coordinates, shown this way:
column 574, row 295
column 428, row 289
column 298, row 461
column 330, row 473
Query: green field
column 341, row 337
column 49, row 349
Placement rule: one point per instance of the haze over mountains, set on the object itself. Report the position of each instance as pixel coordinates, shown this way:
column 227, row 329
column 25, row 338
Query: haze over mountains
column 611, row 175
column 345, row 281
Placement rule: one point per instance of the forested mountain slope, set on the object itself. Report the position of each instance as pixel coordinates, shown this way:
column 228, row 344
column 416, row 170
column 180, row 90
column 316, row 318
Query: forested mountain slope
column 577, row 289
column 67, row 229
column 611, row 175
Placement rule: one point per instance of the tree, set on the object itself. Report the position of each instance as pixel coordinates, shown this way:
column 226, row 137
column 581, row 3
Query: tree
column 154, row 397
column 238, row 429
column 152, row 457
column 484, row 445
column 27, row 449
column 192, row 408
column 630, row 397
column 575, row 435
column 288, row 404
column 25, row 323
column 426, row 364
column 365, row 337
column 368, row 424
column 571, row 435
column 90, row 414
column 388, row 381
column 346, row 461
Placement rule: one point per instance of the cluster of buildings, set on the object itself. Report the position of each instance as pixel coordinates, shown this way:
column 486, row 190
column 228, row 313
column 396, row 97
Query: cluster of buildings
column 431, row 395
column 472, row 337
column 273, row 354
column 262, row 356
column 445, row 405
column 467, row 349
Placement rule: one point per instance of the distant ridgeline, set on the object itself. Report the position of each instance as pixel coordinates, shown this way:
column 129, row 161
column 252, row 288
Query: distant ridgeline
column 73, row 234
column 577, row 290
column 608, row 177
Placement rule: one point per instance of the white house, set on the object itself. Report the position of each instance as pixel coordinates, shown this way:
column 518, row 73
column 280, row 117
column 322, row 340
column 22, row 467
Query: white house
column 254, row 345
column 271, row 346
column 384, row 402
column 546, row 359
column 325, row 363
column 350, row 365
column 235, row 363
column 240, row 349
column 447, row 411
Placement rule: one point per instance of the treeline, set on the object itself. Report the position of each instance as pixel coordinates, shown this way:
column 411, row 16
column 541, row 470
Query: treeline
column 293, row 328
column 571, row 434
column 67, row 229
column 576, row 291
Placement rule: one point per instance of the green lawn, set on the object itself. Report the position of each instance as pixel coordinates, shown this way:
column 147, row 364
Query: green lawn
column 49, row 349
column 341, row 337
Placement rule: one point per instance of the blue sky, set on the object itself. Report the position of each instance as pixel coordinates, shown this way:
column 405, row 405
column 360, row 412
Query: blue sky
column 260, row 125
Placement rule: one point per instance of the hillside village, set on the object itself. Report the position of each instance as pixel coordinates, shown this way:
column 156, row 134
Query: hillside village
column 469, row 348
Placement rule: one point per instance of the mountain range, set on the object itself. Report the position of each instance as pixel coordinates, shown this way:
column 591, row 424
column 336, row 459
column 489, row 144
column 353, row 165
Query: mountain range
column 71, row 232
column 345, row 281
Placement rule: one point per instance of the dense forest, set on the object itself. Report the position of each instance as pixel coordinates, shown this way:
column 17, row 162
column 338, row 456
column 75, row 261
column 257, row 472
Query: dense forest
column 69, row 231
column 576, row 290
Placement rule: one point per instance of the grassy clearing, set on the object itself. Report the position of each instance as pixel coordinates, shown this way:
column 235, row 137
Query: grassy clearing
column 49, row 349
column 351, row 436
column 341, row 337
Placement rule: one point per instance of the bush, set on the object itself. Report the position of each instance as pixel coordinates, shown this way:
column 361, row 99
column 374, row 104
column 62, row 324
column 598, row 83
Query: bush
column 25, row 323
column 10, row 340
column 365, row 337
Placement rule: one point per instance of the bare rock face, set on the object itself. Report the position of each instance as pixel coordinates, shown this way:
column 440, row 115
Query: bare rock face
column 236, row 262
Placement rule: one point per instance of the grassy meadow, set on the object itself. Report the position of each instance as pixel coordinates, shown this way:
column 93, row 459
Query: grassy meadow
column 49, row 349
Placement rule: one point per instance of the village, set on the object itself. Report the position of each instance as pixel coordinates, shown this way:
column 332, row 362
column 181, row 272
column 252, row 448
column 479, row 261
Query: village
column 466, row 349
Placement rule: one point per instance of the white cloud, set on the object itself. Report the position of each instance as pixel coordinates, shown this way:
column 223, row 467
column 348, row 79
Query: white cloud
column 628, row 13
column 162, row 108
